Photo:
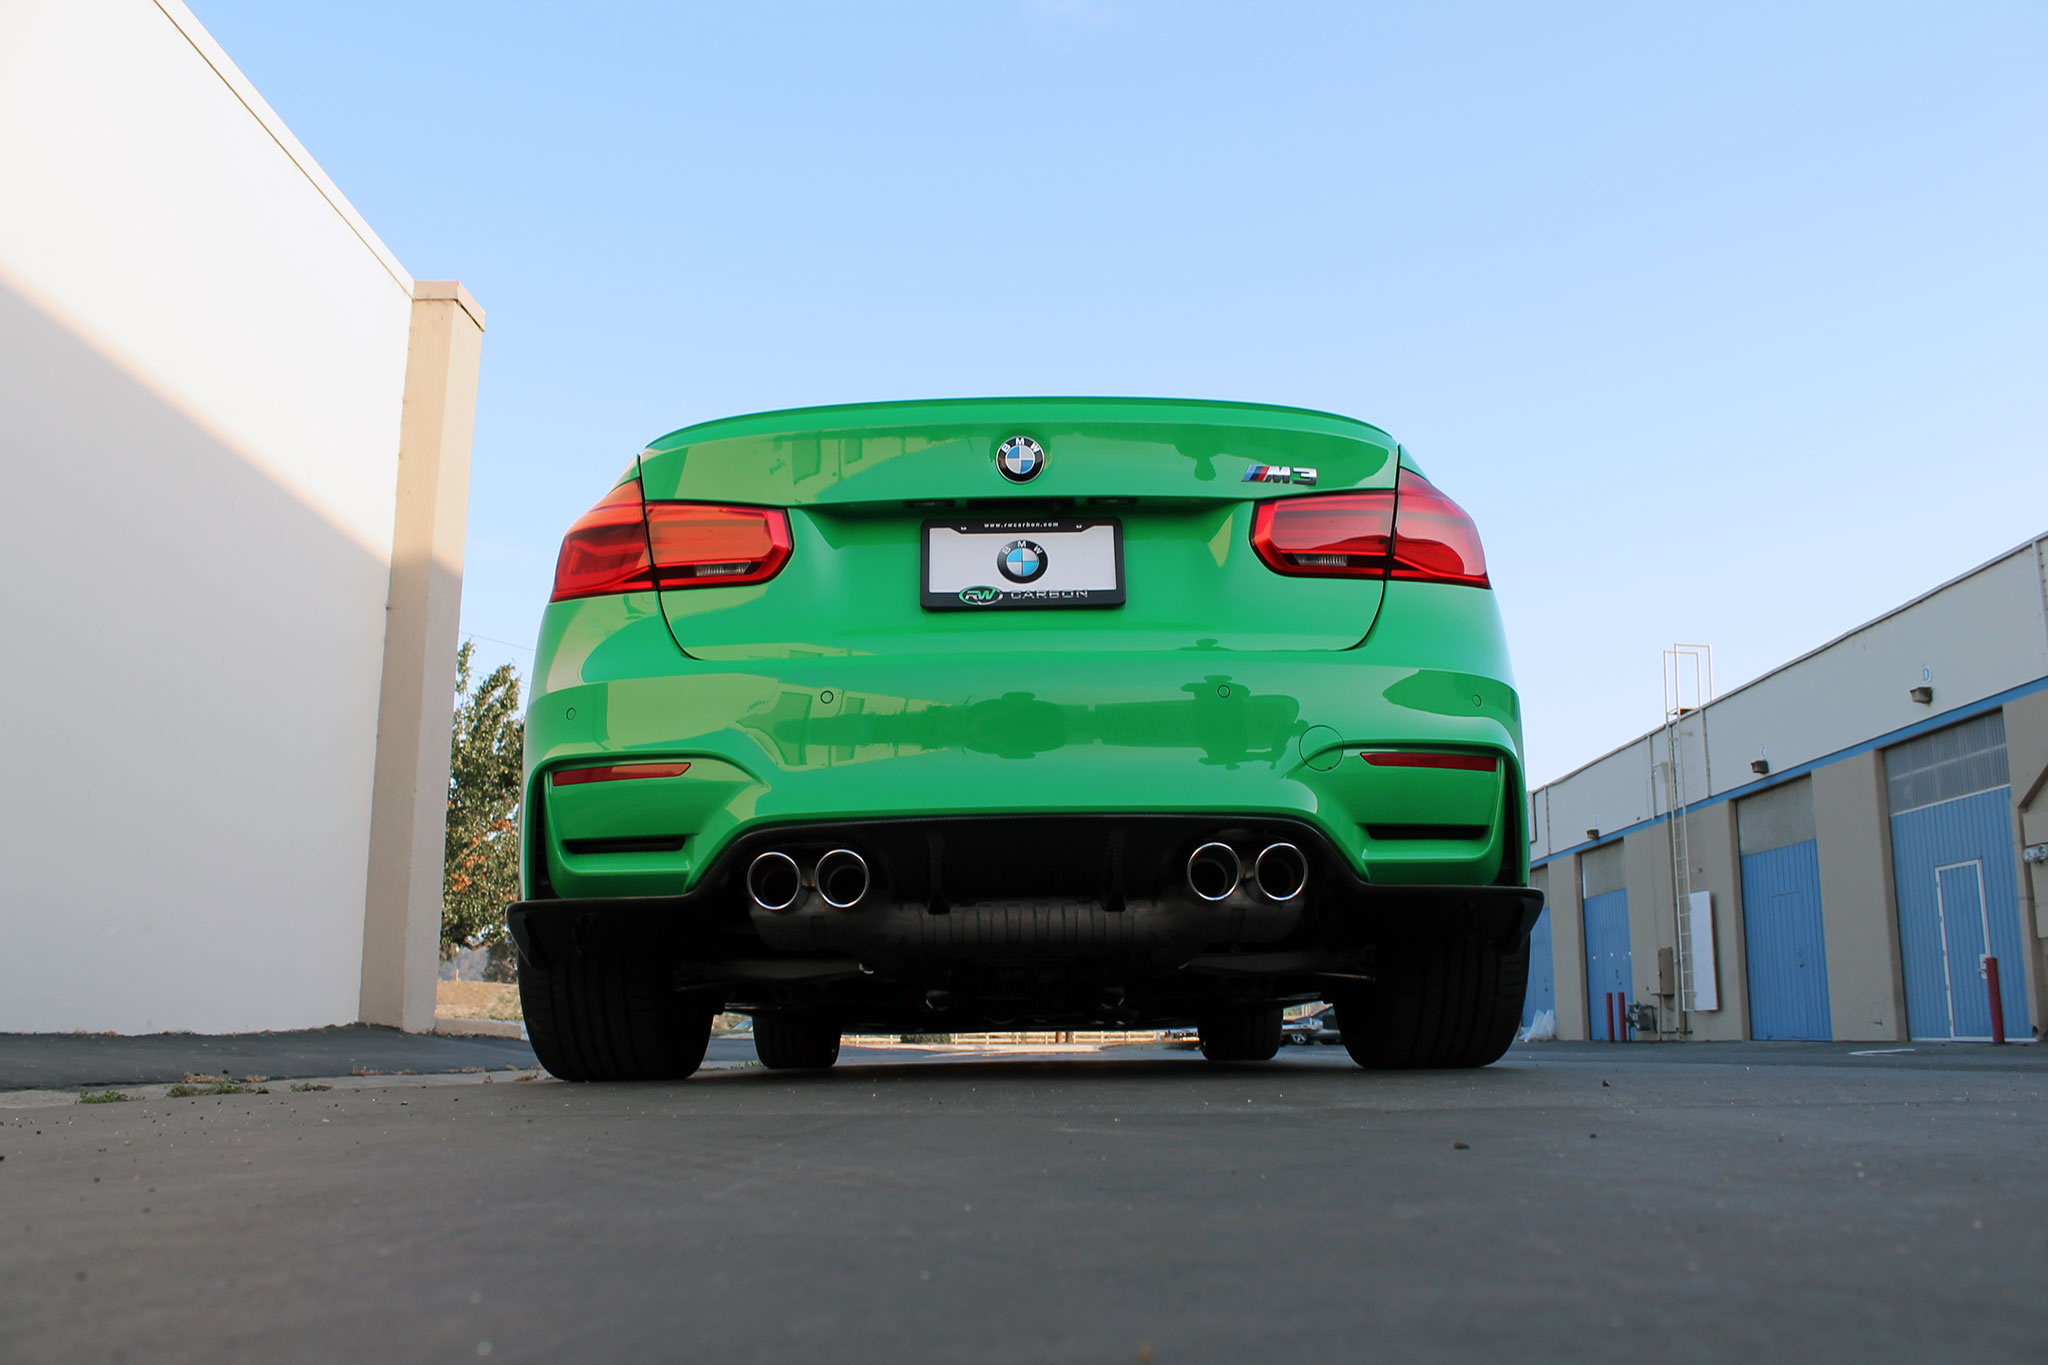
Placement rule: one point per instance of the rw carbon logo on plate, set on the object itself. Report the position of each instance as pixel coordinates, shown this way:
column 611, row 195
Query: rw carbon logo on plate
column 1021, row 561
column 1020, row 459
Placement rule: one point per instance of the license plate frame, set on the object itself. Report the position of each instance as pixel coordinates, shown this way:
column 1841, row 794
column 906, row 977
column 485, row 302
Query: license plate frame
column 948, row 582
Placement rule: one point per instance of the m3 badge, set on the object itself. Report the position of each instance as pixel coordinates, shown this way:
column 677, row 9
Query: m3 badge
column 1280, row 473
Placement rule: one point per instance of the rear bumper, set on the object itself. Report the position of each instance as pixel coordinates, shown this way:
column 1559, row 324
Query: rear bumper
column 788, row 741
column 960, row 917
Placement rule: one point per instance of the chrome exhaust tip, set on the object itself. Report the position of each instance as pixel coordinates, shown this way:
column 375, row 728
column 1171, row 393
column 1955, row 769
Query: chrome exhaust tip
column 842, row 877
column 1214, row 871
column 774, row 881
column 1281, row 872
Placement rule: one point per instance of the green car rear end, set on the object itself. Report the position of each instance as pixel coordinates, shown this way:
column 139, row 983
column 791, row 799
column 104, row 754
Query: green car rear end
column 989, row 714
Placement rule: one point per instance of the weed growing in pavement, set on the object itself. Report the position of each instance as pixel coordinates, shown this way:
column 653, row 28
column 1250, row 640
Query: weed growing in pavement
column 301, row 1087
column 102, row 1097
column 219, row 1087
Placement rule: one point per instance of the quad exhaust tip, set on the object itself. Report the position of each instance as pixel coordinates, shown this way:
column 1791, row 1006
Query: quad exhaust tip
column 842, row 877
column 1281, row 872
column 774, row 881
column 1214, row 871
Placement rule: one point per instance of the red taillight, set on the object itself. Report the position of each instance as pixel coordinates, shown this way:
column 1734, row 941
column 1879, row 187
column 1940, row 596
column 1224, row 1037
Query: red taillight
column 625, row 545
column 1401, row 758
column 1342, row 535
column 1413, row 532
column 616, row 772
column 1434, row 541
column 606, row 550
column 700, row 546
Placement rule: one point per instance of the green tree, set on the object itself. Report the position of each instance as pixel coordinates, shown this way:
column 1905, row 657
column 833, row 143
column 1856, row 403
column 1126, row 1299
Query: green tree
column 480, row 874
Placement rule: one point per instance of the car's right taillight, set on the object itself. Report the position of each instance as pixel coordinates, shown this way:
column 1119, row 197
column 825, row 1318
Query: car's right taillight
column 1410, row 532
column 1434, row 541
column 626, row 545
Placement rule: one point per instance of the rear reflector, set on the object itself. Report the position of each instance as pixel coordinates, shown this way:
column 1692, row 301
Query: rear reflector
column 625, row 545
column 1410, row 532
column 651, row 843
column 616, row 772
column 1398, row 758
column 1398, row 832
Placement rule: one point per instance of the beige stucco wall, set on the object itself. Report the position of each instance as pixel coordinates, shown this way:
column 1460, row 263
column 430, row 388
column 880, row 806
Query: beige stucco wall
column 1866, row 984
column 2026, row 749
column 1647, row 854
column 1717, row 868
column 203, row 357
column 1568, row 945
column 402, row 909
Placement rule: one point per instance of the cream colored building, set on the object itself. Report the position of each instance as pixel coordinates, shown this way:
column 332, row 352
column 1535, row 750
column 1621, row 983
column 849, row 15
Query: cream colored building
column 234, row 437
column 1829, row 851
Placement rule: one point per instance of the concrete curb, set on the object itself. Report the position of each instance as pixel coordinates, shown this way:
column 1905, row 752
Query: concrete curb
column 478, row 1028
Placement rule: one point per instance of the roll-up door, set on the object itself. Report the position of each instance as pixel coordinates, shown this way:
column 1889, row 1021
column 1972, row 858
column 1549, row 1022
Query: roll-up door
column 1950, row 794
column 1784, row 940
column 1609, row 968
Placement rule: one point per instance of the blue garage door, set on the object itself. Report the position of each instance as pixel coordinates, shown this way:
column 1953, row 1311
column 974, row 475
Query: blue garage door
column 1603, row 883
column 1542, row 971
column 1952, row 867
column 1788, row 956
column 1782, row 933
column 1608, row 966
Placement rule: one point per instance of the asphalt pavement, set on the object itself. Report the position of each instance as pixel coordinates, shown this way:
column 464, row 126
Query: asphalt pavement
column 1572, row 1202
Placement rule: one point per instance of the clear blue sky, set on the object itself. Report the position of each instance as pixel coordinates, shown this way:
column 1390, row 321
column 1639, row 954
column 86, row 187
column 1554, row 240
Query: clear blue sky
column 1727, row 322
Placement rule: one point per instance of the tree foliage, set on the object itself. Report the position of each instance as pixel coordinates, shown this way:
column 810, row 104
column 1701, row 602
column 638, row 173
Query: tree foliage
column 480, row 874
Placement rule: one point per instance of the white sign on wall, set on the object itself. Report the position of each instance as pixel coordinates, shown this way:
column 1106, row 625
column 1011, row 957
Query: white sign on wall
column 1706, row 988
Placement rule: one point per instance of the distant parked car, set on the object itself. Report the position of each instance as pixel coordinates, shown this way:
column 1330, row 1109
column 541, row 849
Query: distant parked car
column 1320, row 1027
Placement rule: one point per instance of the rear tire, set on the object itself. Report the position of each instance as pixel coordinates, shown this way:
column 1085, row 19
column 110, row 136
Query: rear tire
column 1240, row 1035
column 611, row 1012
column 795, row 1042
column 1436, row 1005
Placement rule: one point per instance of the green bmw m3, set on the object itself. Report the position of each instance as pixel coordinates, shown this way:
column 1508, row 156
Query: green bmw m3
column 1021, row 713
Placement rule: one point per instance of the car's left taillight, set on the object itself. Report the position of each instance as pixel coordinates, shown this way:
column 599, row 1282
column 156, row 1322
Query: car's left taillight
column 699, row 545
column 625, row 544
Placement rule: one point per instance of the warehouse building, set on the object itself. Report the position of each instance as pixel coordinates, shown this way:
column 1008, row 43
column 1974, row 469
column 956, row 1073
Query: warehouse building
column 1853, row 846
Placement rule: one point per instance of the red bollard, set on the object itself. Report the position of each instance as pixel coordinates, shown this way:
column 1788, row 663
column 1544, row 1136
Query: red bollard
column 1610, row 1016
column 1997, row 1004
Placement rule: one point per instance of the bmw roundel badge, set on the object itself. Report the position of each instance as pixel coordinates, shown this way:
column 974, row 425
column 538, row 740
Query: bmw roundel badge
column 1022, row 561
column 1020, row 459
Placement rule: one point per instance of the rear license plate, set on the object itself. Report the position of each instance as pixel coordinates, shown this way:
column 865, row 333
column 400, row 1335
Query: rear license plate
column 979, row 564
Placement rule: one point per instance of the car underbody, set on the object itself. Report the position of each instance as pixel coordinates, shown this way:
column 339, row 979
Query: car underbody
column 993, row 922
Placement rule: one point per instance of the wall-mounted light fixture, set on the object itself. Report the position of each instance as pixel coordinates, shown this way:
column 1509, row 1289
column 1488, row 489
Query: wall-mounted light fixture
column 2036, row 853
column 1759, row 766
column 1923, row 695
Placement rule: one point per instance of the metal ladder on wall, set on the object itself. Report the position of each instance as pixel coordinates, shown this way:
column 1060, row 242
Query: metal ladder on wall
column 1678, row 660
